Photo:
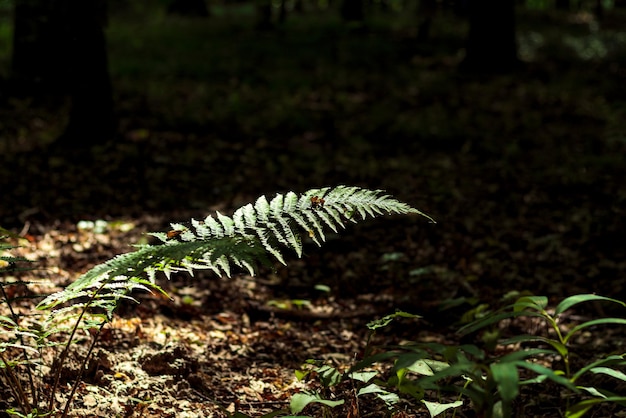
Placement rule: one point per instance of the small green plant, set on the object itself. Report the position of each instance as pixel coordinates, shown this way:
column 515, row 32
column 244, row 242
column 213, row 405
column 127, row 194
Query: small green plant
column 353, row 383
column 218, row 243
column 558, row 346
column 426, row 372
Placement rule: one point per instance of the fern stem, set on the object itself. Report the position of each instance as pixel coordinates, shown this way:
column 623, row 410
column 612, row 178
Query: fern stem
column 82, row 370
column 15, row 386
column 65, row 352
column 15, row 317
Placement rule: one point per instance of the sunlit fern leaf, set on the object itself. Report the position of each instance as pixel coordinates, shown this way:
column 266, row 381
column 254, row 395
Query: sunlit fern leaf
column 220, row 242
column 279, row 207
column 174, row 256
column 161, row 236
column 293, row 238
column 216, row 228
column 314, row 226
column 266, row 239
column 300, row 221
column 317, row 192
column 224, row 264
column 291, row 202
column 335, row 212
column 243, row 264
column 244, row 218
column 242, row 250
column 276, row 205
column 276, row 235
column 323, row 214
column 342, row 193
column 262, row 209
column 227, row 223
column 178, row 226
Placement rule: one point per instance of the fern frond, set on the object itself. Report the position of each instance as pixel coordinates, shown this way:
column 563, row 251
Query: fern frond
column 243, row 240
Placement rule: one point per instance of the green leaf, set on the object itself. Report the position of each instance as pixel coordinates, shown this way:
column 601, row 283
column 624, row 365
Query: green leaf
column 436, row 408
column 455, row 370
column 549, row 374
column 272, row 414
column 523, row 354
column 601, row 321
column 592, row 391
column 608, row 361
column 301, row 374
column 243, row 240
column 329, row 376
column 558, row 346
column 322, row 288
column 415, row 362
column 494, row 319
column 299, row 401
column 386, row 320
column 368, row 361
column 4, row 233
column 507, row 380
column 371, row 388
column 611, row 372
column 573, row 300
column 389, row 398
column 538, row 303
column 421, row 367
column 238, row 414
column 363, row 376
column 581, row 408
column 408, row 386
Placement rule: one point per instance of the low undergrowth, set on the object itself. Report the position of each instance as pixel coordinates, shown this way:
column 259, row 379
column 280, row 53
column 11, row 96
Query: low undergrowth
column 488, row 377
column 494, row 362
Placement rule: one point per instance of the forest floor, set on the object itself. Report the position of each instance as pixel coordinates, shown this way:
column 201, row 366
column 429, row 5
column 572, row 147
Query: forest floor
column 524, row 174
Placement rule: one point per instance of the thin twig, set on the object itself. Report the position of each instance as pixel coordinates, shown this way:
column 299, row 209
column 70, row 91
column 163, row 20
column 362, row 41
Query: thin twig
column 82, row 370
column 16, row 318
column 65, row 352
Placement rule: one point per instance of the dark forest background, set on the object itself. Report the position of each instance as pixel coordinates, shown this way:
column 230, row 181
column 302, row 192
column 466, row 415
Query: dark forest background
column 503, row 120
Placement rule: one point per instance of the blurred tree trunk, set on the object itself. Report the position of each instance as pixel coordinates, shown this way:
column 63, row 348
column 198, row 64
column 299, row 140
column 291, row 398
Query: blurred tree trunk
column 562, row 4
column 191, row 8
column 59, row 49
column 264, row 14
column 599, row 10
column 282, row 14
column 352, row 11
column 425, row 13
column 491, row 44
column 33, row 66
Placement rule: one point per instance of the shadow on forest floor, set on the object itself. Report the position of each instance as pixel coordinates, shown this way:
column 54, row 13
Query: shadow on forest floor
column 524, row 172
